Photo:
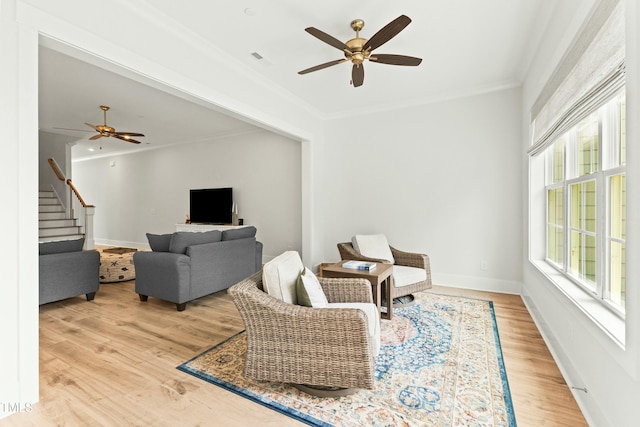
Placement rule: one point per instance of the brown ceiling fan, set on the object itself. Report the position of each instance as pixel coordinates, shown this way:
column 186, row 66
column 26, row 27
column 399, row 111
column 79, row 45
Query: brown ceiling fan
column 105, row 130
column 358, row 50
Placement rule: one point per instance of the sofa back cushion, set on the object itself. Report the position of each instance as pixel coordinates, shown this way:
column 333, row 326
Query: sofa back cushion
column 373, row 246
column 239, row 233
column 159, row 242
column 180, row 240
column 47, row 248
column 280, row 275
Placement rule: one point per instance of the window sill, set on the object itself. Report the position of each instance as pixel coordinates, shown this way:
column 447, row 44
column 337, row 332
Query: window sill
column 605, row 319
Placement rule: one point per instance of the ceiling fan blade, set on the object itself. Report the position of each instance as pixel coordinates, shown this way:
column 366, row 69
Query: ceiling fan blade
column 92, row 126
column 321, row 66
column 78, row 130
column 330, row 40
column 387, row 32
column 396, row 59
column 98, row 136
column 127, row 134
column 125, row 139
column 357, row 75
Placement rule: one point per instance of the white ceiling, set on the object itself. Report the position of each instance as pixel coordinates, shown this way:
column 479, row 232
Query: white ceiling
column 467, row 46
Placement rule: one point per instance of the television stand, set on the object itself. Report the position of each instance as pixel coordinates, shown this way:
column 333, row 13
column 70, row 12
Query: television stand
column 195, row 228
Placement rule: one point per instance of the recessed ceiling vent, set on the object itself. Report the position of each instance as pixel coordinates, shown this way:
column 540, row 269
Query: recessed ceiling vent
column 263, row 61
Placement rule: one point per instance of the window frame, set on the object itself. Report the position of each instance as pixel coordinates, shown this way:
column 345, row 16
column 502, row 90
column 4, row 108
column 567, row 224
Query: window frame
column 602, row 178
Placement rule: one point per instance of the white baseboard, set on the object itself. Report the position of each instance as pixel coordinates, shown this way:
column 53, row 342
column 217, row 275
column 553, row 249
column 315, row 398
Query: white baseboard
column 590, row 409
column 122, row 243
column 478, row 283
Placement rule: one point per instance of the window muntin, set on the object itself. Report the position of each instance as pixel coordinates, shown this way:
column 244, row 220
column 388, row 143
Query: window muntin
column 622, row 108
column 586, row 204
column 617, row 239
column 555, row 225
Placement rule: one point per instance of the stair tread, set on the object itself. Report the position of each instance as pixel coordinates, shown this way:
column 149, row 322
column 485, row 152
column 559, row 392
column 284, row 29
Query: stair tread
column 53, row 228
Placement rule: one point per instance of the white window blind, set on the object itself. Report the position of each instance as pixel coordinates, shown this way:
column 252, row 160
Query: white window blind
column 596, row 75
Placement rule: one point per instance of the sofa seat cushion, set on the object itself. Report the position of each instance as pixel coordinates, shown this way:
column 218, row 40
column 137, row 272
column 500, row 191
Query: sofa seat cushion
column 309, row 291
column 159, row 242
column 373, row 246
column 280, row 275
column 403, row 276
column 61, row 246
column 181, row 240
column 373, row 319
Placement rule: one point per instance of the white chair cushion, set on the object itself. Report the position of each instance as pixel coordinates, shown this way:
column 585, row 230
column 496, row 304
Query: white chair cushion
column 373, row 246
column 279, row 276
column 403, row 276
column 373, row 319
column 309, row 291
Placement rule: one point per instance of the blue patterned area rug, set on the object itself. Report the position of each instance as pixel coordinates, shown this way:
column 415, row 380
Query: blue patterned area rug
column 440, row 365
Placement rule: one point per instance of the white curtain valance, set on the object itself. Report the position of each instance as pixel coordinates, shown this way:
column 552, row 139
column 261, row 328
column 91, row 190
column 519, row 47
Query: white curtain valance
column 596, row 76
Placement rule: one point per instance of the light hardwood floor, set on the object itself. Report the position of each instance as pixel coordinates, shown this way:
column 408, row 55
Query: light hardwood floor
column 112, row 362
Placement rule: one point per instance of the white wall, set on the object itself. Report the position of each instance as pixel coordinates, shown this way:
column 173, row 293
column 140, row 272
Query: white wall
column 151, row 47
column 19, row 292
column 149, row 191
column 51, row 145
column 587, row 356
column 442, row 179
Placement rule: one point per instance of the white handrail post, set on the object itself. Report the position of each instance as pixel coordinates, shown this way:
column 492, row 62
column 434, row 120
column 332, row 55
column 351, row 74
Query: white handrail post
column 70, row 207
column 89, row 242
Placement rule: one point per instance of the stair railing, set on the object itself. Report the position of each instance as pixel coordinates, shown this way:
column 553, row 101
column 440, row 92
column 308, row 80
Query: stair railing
column 77, row 204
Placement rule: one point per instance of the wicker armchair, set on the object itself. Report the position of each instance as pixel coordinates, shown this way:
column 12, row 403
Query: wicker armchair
column 408, row 259
column 317, row 347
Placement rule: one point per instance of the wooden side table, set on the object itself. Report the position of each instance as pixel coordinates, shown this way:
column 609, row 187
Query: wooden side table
column 380, row 277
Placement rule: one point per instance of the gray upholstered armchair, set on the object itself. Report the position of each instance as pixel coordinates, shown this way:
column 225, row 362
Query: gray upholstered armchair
column 311, row 348
column 411, row 272
column 67, row 271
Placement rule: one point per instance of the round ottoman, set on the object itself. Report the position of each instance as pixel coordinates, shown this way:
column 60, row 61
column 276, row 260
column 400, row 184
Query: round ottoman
column 116, row 267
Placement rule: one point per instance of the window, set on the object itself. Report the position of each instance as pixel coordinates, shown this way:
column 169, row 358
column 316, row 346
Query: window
column 586, row 204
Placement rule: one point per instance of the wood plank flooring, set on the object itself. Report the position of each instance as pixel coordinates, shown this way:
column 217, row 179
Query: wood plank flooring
column 112, row 362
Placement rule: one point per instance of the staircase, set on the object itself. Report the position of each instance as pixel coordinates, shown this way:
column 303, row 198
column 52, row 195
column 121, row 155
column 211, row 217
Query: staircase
column 53, row 223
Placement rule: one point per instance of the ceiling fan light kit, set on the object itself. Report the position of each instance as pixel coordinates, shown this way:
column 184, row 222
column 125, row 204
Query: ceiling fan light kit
column 357, row 50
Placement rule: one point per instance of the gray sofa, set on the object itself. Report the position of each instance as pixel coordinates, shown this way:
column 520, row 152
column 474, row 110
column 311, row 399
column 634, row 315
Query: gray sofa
column 67, row 271
column 184, row 266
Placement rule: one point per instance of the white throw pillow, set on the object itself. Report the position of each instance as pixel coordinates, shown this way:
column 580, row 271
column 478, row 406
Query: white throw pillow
column 373, row 246
column 309, row 291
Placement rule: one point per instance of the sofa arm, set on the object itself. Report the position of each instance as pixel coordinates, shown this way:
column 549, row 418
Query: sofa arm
column 68, row 274
column 163, row 275
column 411, row 259
column 258, row 256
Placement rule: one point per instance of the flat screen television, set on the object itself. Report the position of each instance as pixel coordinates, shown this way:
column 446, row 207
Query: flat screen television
column 211, row 205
